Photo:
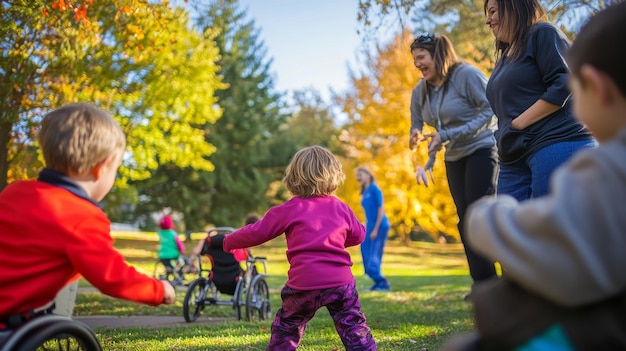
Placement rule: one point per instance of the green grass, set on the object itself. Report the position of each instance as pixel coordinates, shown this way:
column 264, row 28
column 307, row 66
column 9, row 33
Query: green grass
column 424, row 308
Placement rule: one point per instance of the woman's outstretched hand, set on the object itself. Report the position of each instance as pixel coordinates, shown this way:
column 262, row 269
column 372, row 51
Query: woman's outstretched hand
column 434, row 142
column 421, row 172
column 434, row 145
column 414, row 139
column 421, row 175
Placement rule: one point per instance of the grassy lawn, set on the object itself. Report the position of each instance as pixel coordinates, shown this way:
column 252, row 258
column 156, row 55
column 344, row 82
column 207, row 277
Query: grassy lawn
column 424, row 308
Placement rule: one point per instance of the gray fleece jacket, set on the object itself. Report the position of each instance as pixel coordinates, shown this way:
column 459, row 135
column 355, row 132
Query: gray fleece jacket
column 570, row 245
column 460, row 112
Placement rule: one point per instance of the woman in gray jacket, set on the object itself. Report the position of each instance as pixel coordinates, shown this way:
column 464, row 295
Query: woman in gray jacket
column 451, row 98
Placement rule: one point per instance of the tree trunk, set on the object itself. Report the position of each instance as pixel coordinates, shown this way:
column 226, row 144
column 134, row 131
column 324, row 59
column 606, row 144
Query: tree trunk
column 5, row 138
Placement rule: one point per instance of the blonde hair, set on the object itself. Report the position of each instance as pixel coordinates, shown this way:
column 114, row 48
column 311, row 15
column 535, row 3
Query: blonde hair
column 366, row 171
column 313, row 171
column 77, row 137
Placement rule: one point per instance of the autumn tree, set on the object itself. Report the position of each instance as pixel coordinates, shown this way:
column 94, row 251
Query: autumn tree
column 373, row 14
column 244, row 165
column 252, row 116
column 311, row 121
column 377, row 133
column 138, row 60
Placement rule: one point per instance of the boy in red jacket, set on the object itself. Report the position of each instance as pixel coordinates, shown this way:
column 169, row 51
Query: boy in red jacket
column 52, row 230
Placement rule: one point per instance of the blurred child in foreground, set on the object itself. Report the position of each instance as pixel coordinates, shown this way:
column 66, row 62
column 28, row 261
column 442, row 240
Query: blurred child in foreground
column 52, row 228
column 564, row 286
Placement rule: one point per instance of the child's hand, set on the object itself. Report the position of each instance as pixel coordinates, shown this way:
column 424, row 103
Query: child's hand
column 169, row 294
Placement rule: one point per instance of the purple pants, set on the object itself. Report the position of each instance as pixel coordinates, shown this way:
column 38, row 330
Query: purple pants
column 300, row 306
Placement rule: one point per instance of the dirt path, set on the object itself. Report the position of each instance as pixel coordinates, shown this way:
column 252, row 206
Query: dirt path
column 143, row 321
column 140, row 321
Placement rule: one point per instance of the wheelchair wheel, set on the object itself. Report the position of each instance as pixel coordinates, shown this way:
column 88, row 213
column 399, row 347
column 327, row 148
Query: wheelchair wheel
column 62, row 336
column 195, row 297
column 161, row 272
column 237, row 304
column 258, row 300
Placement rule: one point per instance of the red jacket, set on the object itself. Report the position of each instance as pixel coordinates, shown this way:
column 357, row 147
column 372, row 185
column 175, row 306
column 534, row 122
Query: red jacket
column 51, row 234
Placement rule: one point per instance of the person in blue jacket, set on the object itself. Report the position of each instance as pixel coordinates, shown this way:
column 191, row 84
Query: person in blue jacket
column 528, row 93
column 376, row 229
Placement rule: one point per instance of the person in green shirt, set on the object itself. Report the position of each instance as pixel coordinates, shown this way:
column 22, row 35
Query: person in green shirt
column 170, row 245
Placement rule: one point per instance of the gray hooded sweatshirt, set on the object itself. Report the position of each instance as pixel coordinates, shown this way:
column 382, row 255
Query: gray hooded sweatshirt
column 458, row 110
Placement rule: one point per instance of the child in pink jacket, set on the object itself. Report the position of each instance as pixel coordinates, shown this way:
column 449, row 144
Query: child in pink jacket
column 318, row 228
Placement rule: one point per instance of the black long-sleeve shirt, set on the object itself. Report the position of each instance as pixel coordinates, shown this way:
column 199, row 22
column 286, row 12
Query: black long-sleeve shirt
column 540, row 72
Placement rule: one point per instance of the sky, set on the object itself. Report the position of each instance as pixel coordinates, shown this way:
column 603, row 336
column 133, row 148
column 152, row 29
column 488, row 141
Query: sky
column 311, row 42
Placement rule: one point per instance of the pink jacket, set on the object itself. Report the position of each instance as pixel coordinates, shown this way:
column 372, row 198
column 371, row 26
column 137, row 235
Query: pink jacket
column 317, row 231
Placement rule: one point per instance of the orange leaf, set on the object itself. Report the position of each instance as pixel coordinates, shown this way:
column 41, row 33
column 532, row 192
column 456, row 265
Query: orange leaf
column 80, row 12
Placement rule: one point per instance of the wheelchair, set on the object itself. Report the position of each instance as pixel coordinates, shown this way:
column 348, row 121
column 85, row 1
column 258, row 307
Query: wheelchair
column 50, row 332
column 248, row 288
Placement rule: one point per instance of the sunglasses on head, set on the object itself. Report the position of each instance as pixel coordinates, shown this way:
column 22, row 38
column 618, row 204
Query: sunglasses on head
column 426, row 37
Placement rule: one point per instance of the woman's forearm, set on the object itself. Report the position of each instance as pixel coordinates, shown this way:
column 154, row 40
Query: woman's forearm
column 379, row 217
column 536, row 112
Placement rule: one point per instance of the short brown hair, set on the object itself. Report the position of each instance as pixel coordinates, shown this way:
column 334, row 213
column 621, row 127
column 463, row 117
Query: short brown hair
column 77, row 137
column 313, row 171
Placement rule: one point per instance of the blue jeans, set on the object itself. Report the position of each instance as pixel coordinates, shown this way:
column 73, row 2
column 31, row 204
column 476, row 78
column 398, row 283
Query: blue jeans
column 372, row 252
column 530, row 177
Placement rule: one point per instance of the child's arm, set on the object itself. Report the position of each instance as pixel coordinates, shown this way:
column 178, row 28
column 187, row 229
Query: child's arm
column 270, row 226
column 568, row 246
column 91, row 252
column 180, row 245
column 356, row 233
column 241, row 255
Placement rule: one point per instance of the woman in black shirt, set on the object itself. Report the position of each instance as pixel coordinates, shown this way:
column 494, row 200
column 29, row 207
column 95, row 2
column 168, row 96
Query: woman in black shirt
column 529, row 95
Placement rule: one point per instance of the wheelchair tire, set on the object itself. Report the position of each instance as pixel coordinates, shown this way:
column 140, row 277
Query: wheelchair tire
column 258, row 300
column 61, row 336
column 237, row 305
column 195, row 297
column 239, row 299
